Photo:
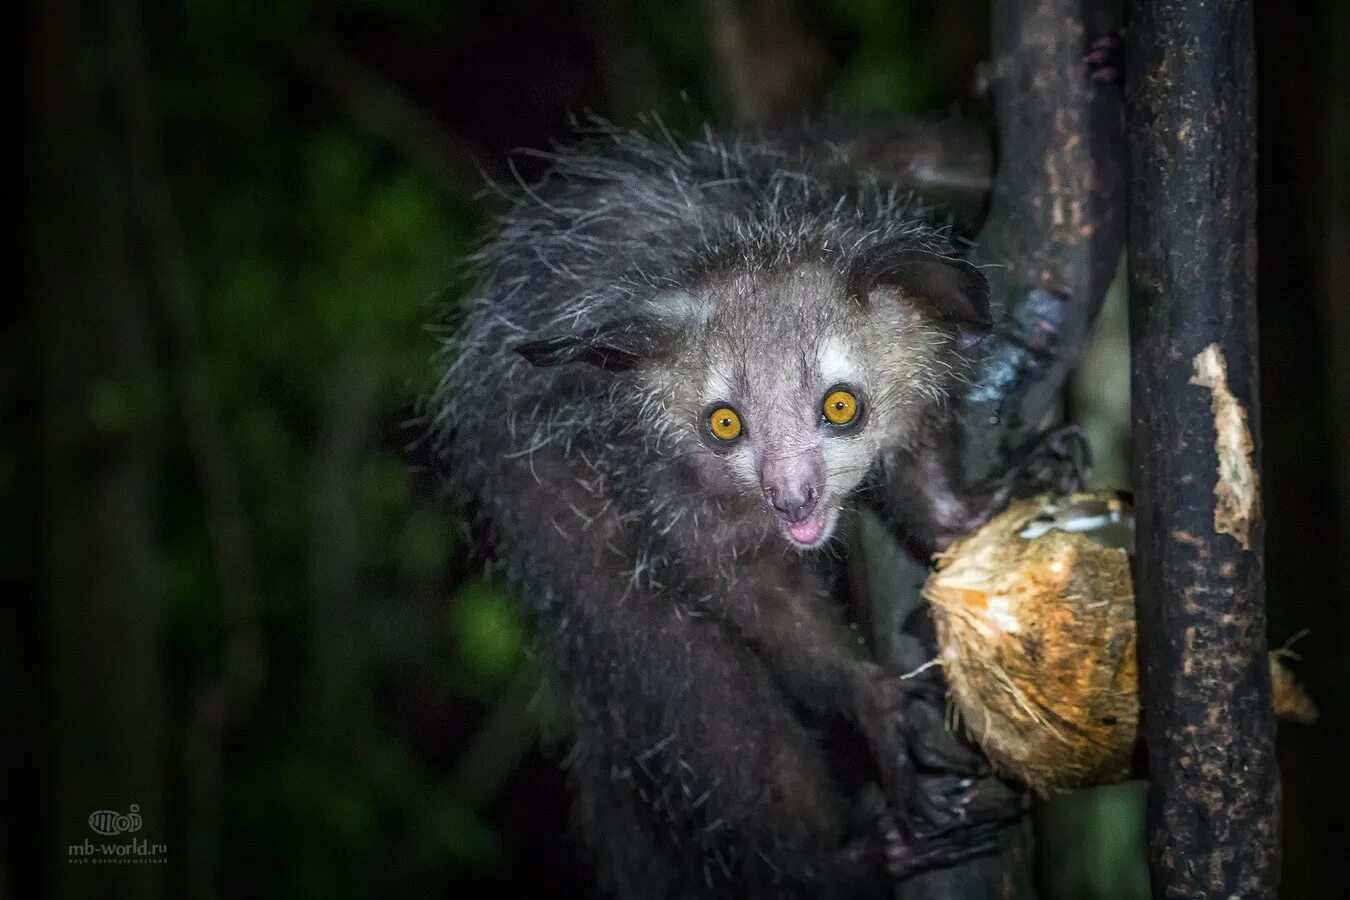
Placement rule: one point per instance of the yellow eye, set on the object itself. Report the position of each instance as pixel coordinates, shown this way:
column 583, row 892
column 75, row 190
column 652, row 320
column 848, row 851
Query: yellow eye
column 725, row 423
column 840, row 407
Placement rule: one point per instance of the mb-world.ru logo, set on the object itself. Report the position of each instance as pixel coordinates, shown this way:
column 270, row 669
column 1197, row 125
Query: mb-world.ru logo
column 105, row 821
column 111, row 823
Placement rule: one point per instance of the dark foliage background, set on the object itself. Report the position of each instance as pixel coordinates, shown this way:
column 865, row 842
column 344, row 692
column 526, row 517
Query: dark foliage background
column 233, row 598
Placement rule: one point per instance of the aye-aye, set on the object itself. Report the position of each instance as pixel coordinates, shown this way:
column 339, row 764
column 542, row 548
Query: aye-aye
column 680, row 362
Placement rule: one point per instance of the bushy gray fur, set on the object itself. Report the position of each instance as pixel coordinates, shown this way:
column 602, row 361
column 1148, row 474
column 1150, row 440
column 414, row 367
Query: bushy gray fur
column 689, row 638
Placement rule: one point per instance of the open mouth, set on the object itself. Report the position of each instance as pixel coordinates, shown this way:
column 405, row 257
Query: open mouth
column 813, row 531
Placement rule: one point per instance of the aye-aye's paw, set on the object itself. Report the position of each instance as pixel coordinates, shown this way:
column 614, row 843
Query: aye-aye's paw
column 948, row 820
column 912, row 846
column 1056, row 462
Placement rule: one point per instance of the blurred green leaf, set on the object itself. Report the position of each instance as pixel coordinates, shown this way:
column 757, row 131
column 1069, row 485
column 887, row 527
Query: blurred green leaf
column 881, row 84
column 423, row 543
column 117, row 408
column 384, row 488
column 1094, row 844
column 676, row 32
column 486, row 633
column 455, row 832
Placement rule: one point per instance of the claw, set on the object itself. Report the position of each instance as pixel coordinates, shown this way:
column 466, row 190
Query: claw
column 937, row 749
column 946, row 804
column 907, row 856
column 1058, row 462
column 939, row 810
column 1105, row 59
column 941, row 806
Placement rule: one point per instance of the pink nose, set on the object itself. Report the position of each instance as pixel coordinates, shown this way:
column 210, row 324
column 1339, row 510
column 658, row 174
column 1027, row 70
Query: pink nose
column 795, row 504
column 791, row 484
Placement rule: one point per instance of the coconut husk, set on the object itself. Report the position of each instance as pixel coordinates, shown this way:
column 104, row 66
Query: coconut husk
column 1036, row 634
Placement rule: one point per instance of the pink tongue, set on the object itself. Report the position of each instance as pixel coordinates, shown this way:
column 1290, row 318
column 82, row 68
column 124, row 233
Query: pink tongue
column 807, row 532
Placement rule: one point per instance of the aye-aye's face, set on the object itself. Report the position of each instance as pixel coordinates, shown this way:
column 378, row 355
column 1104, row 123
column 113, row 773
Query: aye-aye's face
column 788, row 388
column 783, row 387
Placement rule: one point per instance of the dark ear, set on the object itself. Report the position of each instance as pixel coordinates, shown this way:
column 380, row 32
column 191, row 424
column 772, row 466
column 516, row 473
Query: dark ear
column 615, row 346
column 950, row 290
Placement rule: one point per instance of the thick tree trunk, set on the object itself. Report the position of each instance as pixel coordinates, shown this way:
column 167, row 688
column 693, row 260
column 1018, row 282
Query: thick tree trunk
column 1214, row 797
column 1051, row 244
column 1055, row 230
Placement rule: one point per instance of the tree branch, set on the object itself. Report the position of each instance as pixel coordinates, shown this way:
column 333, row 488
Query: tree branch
column 1055, row 230
column 1050, row 246
column 1214, row 793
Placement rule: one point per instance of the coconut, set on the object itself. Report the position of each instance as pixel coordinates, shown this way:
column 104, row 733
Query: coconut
column 1036, row 634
